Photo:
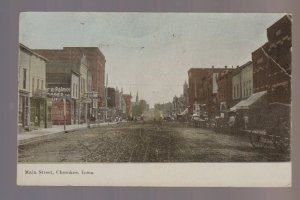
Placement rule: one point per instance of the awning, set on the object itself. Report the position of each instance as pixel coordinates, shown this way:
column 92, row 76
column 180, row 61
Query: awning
column 185, row 112
column 245, row 104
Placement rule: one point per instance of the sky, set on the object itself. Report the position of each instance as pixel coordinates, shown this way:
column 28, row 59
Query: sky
column 150, row 53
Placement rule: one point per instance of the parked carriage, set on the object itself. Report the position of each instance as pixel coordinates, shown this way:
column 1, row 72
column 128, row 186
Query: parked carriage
column 271, row 127
column 266, row 124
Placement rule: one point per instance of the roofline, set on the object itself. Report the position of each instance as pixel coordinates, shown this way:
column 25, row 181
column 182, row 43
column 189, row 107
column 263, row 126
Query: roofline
column 246, row 64
column 288, row 16
column 203, row 69
column 88, row 48
column 32, row 52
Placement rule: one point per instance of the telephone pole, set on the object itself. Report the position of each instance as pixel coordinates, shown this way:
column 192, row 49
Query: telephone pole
column 106, row 96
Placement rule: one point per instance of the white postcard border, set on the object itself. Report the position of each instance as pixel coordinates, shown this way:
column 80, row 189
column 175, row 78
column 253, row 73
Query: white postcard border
column 157, row 174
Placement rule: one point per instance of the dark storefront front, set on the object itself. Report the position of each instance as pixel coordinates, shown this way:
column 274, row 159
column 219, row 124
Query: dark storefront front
column 23, row 115
column 40, row 110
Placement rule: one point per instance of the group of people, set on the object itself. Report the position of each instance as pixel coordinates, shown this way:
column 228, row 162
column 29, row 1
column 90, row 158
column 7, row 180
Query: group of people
column 238, row 121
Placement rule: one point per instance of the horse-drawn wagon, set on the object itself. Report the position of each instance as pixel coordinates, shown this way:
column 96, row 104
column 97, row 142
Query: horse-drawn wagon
column 271, row 128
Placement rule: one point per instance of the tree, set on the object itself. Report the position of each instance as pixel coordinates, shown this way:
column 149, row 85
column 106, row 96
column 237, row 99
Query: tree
column 139, row 108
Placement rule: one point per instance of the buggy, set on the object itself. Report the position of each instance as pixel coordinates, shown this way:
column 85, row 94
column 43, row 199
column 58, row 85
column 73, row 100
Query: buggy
column 271, row 127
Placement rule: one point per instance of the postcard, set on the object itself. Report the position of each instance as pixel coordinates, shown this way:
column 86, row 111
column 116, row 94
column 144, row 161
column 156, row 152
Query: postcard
column 154, row 99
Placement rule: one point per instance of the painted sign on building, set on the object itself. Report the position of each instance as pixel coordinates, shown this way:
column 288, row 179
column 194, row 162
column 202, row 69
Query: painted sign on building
column 59, row 92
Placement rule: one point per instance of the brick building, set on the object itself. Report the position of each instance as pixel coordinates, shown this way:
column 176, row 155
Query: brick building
column 95, row 64
column 203, row 89
column 224, row 96
column 260, row 69
column 111, row 97
column 272, row 62
column 127, row 98
column 63, row 83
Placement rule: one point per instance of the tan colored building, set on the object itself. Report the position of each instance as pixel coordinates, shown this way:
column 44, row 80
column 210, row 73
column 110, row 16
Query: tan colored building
column 242, row 82
column 33, row 104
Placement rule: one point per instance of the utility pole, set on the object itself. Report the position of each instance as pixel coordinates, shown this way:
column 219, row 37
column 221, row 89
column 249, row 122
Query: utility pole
column 86, row 114
column 106, row 97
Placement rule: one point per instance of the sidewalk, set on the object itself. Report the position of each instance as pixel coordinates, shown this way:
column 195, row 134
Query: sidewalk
column 56, row 129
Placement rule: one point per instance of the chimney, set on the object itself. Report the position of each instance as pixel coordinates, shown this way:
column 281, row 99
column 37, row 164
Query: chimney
column 212, row 67
column 225, row 66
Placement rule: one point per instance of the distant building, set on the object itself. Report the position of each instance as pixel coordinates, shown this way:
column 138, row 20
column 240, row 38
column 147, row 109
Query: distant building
column 236, row 86
column 247, row 80
column 203, row 90
column 180, row 104
column 186, row 94
column 224, row 97
column 127, row 99
column 111, row 97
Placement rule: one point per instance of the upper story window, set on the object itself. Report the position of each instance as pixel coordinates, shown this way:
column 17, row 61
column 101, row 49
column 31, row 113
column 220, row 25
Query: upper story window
column 260, row 60
column 73, row 89
column 38, row 84
column 32, row 85
column 24, row 78
column 83, row 83
column 278, row 32
column 76, row 93
column 234, row 91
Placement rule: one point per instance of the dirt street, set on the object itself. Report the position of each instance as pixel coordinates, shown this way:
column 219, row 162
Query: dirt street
column 145, row 142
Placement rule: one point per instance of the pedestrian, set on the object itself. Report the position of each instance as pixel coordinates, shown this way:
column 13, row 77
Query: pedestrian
column 36, row 120
column 246, row 122
column 231, row 121
column 237, row 123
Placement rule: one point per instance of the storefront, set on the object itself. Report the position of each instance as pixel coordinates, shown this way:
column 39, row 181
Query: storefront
column 40, row 111
column 23, row 115
column 251, row 113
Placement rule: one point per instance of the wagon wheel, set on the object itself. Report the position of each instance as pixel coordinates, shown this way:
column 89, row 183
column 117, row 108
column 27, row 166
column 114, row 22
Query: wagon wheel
column 281, row 144
column 258, row 141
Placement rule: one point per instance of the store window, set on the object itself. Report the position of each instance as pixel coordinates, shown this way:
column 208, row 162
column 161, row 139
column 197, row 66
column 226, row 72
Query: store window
column 24, row 78
column 32, row 85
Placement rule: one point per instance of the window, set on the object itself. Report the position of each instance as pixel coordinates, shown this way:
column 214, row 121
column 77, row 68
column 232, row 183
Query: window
column 260, row 60
column 234, row 91
column 32, row 85
column 83, row 85
column 76, row 91
column 42, row 86
column 24, row 78
column 73, row 90
column 278, row 32
column 38, row 84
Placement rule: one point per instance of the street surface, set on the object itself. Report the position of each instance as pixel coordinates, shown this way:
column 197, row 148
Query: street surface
column 145, row 142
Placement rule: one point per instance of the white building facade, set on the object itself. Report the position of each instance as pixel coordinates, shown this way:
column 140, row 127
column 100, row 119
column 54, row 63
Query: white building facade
column 34, row 107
